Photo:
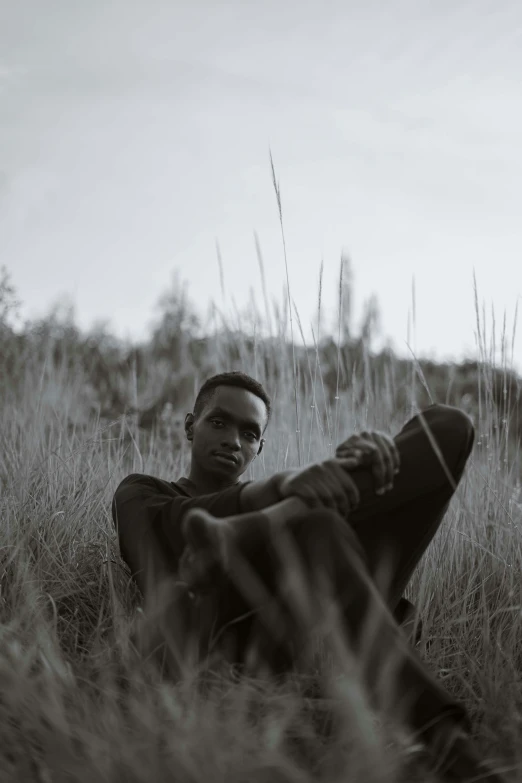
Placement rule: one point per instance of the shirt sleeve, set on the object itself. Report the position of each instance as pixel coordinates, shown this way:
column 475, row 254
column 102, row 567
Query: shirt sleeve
column 144, row 507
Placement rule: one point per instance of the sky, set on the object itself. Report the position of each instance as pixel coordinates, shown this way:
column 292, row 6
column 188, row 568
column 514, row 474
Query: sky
column 134, row 135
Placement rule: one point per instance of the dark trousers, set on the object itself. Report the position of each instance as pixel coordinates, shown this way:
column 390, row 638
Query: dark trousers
column 392, row 530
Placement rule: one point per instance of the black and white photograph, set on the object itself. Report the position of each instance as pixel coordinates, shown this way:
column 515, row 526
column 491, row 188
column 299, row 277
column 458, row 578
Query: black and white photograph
column 260, row 391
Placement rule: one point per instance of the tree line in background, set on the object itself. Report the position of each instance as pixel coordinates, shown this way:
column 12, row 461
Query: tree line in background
column 159, row 377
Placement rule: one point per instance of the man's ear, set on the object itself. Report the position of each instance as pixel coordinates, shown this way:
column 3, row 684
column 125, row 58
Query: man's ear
column 189, row 426
column 261, row 444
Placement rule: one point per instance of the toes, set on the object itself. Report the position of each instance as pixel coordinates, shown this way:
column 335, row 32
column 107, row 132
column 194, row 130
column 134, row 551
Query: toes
column 206, row 552
column 197, row 529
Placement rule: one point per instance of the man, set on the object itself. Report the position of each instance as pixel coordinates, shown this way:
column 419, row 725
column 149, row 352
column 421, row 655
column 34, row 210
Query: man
column 379, row 502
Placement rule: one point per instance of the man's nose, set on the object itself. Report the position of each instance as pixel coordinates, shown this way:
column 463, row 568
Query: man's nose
column 231, row 440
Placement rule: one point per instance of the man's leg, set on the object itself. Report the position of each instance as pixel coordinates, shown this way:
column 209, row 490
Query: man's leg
column 396, row 528
column 326, row 549
column 329, row 551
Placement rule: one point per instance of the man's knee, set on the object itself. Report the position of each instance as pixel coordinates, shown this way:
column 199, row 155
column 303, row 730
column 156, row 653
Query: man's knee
column 451, row 426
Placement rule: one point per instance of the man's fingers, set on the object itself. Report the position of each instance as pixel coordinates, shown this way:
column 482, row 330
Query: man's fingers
column 375, row 450
column 377, row 464
column 348, row 460
column 345, row 451
column 325, row 493
column 341, row 502
column 307, row 496
column 352, row 491
column 327, row 485
column 341, row 468
column 393, row 450
column 373, row 458
column 387, row 458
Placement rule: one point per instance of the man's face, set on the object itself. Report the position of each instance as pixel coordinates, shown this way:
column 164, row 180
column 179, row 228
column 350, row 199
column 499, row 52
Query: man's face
column 231, row 424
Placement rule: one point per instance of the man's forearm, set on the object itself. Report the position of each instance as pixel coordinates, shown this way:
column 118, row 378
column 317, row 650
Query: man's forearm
column 262, row 494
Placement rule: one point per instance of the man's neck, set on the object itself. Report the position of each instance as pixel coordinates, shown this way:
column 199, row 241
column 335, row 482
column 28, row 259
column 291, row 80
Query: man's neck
column 206, row 483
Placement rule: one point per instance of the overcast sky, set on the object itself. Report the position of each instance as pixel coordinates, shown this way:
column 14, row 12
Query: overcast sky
column 135, row 134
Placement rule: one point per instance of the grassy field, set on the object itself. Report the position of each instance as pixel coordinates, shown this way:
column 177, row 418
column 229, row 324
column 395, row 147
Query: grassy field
column 75, row 703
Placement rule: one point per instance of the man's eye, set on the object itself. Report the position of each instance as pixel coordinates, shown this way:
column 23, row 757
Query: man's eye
column 252, row 434
column 216, row 421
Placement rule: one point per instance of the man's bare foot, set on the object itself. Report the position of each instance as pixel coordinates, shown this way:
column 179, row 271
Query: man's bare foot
column 207, row 551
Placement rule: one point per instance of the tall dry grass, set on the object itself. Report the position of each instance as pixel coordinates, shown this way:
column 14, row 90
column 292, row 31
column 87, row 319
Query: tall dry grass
column 76, row 705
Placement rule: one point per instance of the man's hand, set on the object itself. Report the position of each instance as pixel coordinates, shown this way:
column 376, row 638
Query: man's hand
column 325, row 484
column 377, row 451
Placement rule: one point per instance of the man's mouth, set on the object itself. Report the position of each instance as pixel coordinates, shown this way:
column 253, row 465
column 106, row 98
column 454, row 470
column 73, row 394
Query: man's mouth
column 228, row 457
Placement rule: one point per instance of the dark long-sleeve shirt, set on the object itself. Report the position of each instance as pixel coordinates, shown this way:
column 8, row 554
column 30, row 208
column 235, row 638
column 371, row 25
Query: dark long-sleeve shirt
column 147, row 514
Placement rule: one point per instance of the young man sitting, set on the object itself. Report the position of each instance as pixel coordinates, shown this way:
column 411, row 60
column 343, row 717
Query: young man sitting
column 381, row 500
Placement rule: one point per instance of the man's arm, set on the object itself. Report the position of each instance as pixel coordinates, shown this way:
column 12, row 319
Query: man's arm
column 264, row 504
column 375, row 450
column 145, row 500
column 258, row 495
column 147, row 514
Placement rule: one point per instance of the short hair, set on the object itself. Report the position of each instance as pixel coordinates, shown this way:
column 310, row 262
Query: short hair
column 239, row 380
